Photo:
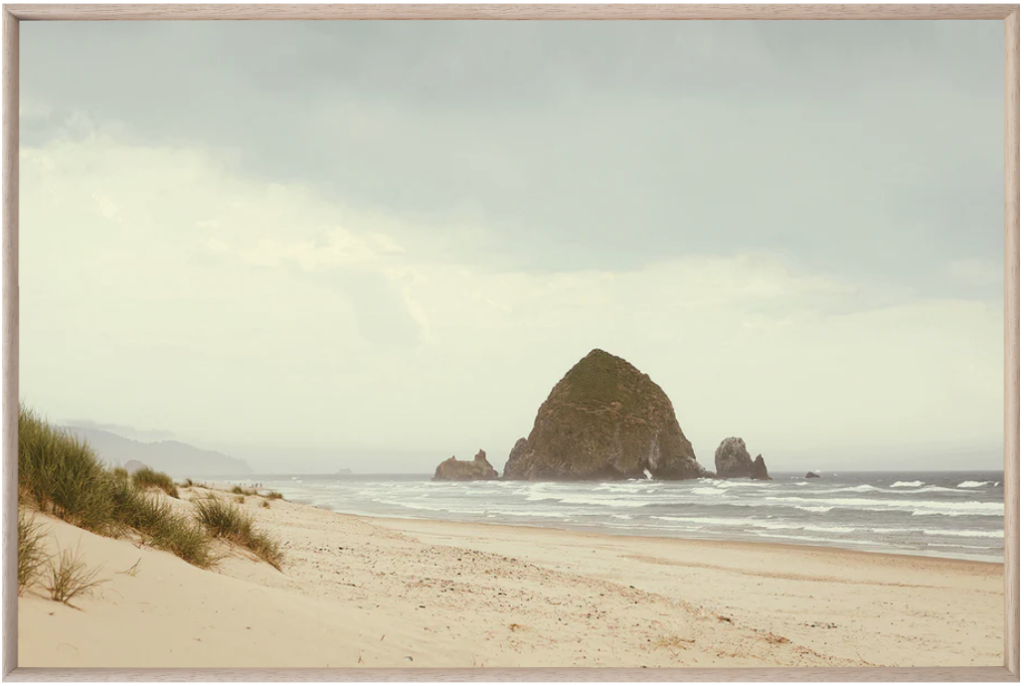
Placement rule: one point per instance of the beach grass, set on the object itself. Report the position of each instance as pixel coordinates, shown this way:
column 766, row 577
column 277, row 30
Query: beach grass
column 150, row 478
column 61, row 475
column 69, row 577
column 31, row 556
column 225, row 521
column 274, row 495
column 158, row 523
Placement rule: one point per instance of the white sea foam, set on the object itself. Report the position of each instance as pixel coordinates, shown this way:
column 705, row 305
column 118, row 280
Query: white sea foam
column 930, row 489
column 573, row 499
column 975, row 484
column 963, row 533
column 917, row 506
column 816, row 539
column 707, row 491
column 710, row 521
column 907, row 484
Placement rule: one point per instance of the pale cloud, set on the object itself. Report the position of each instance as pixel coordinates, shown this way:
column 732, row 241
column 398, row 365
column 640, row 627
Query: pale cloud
column 231, row 309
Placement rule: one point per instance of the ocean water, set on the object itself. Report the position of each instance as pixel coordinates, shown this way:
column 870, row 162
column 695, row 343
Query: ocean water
column 943, row 514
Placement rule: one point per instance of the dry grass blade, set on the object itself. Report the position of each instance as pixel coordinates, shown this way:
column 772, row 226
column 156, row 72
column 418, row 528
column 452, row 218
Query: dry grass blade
column 30, row 550
column 134, row 569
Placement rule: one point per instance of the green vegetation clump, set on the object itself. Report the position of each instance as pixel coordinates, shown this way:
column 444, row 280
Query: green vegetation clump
column 69, row 577
column 146, row 478
column 158, row 523
column 30, row 549
column 594, row 379
column 274, row 495
column 61, row 475
column 224, row 520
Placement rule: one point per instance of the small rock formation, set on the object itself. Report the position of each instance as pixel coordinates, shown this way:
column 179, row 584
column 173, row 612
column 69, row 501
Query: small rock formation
column 732, row 461
column 759, row 470
column 465, row 470
column 812, row 475
column 604, row 420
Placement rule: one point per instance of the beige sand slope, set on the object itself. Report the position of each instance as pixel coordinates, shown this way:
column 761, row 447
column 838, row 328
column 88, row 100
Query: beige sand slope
column 402, row 593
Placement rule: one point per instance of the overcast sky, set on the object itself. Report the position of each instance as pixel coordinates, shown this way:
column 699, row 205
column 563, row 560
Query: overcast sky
column 298, row 240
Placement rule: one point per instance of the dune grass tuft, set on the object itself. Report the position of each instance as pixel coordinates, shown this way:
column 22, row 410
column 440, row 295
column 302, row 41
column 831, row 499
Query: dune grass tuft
column 69, row 577
column 224, row 520
column 274, row 495
column 60, row 474
column 150, row 478
column 158, row 523
column 31, row 556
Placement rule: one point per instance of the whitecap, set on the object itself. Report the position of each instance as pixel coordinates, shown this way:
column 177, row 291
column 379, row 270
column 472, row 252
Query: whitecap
column 924, row 507
column 907, row 484
column 963, row 533
column 974, row 484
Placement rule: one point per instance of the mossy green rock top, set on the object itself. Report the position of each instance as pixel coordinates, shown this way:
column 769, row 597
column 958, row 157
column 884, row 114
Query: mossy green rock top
column 604, row 420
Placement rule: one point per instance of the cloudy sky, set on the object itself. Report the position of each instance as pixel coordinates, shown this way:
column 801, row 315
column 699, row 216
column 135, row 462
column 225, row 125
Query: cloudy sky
column 307, row 241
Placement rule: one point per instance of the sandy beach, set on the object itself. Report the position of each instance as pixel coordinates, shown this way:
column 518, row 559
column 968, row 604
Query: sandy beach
column 357, row 591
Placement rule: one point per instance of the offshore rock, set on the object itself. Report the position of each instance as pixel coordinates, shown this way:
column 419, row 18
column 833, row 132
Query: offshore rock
column 604, row 420
column 476, row 469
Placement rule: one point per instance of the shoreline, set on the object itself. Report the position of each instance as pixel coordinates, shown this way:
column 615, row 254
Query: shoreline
column 361, row 591
column 696, row 540
column 949, row 557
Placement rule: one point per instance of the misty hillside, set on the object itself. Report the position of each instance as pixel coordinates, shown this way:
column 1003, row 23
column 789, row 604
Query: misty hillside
column 173, row 457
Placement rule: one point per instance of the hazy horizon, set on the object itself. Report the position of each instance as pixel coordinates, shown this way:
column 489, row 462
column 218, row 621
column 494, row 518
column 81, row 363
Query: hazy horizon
column 293, row 242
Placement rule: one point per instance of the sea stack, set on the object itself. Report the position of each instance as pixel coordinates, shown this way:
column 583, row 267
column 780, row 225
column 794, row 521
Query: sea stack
column 732, row 461
column 604, row 420
column 759, row 470
column 477, row 469
column 812, row 475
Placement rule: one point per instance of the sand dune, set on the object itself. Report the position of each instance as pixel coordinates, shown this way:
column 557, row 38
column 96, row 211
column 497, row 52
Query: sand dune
column 404, row 593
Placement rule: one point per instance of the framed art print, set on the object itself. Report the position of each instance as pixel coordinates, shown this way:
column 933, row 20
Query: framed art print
column 408, row 342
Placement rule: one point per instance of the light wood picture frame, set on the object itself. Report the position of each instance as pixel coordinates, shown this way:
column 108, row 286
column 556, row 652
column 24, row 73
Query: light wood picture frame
column 14, row 14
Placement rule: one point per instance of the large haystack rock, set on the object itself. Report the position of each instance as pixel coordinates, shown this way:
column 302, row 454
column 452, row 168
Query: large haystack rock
column 604, row 420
